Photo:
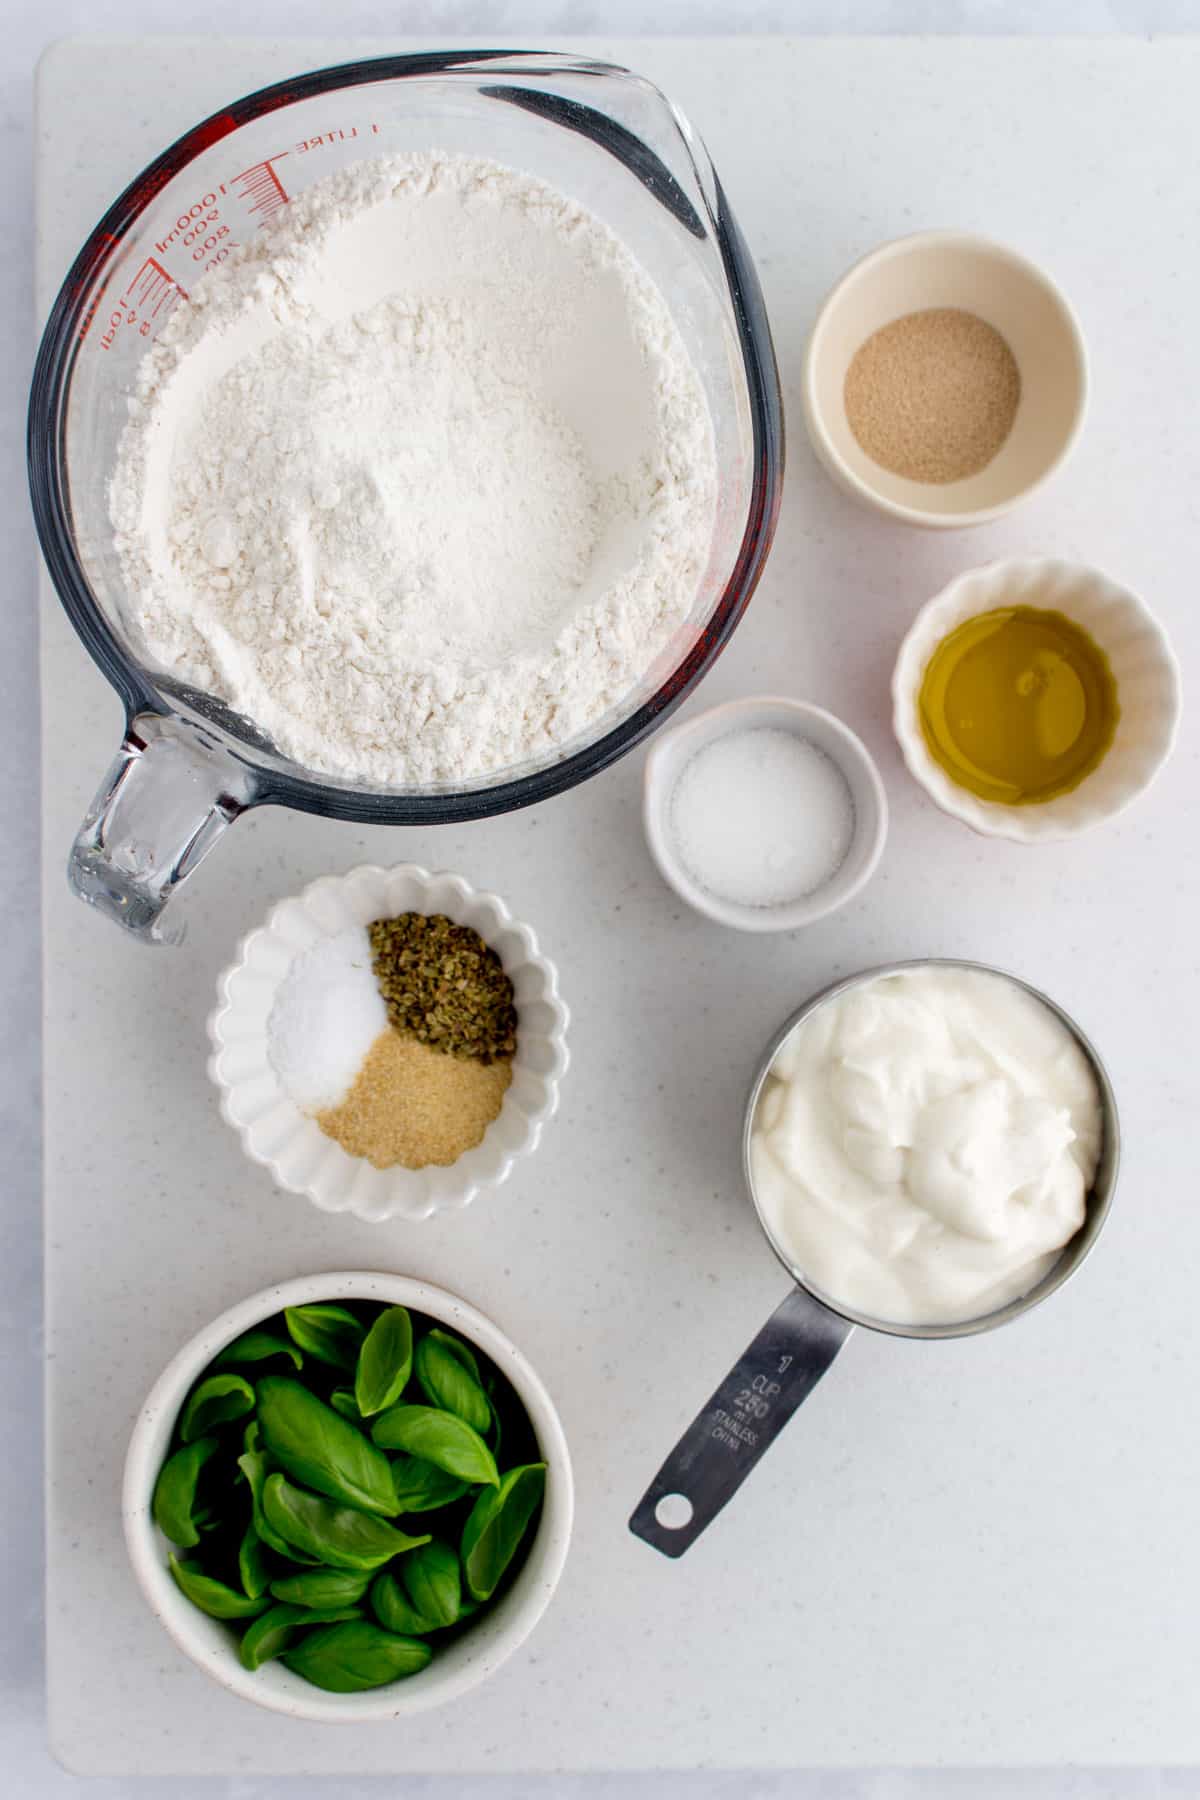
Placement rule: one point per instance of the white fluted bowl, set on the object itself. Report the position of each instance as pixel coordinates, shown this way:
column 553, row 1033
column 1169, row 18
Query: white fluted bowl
column 1143, row 666
column 272, row 1128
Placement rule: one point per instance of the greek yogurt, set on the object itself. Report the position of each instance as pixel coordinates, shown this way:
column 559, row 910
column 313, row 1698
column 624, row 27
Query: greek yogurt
column 924, row 1143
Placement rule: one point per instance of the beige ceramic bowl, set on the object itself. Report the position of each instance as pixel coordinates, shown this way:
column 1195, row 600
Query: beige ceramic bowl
column 1142, row 662
column 463, row 1664
column 950, row 269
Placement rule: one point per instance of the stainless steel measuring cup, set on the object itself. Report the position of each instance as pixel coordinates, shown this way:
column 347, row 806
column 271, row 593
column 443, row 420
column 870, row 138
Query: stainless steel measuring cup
column 803, row 1335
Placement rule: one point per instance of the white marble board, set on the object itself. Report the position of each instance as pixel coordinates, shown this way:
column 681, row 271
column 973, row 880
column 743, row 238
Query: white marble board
column 969, row 1553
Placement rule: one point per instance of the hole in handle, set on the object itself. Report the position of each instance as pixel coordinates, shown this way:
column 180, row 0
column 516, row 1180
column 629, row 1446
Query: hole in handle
column 674, row 1511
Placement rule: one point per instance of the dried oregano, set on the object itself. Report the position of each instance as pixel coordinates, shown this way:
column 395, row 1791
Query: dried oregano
column 444, row 986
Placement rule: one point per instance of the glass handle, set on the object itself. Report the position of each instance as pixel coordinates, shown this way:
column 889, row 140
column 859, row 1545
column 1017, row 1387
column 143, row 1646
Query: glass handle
column 740, row 1423
column 167, row 798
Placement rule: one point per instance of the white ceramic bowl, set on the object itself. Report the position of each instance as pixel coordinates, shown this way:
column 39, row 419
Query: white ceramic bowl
column 292, row 1145
column 1142, row 662
column 672, row 750
column 474, row 1656
column 950, row 269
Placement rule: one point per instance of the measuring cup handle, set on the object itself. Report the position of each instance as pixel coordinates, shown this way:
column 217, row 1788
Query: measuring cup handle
column 741, row 1421
column 165, row 801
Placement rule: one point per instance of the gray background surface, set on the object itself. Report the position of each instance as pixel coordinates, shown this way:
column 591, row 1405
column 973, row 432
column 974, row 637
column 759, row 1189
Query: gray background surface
column 25, row 1767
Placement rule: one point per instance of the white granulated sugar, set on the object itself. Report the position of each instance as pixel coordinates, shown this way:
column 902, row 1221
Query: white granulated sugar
column 422, row 480
column 327, row 1013
column 761, row 817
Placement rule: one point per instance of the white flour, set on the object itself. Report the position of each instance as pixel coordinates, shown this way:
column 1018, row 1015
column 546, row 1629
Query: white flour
column 423, row 480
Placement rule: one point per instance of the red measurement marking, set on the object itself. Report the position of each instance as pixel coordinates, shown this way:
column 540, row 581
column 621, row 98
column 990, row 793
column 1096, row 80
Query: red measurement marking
column 151, row 293
column 151, row 289
column 262, row 187
column 341, row 134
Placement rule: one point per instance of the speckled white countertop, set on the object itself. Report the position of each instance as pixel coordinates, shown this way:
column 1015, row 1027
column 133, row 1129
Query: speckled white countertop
column 981, row 1553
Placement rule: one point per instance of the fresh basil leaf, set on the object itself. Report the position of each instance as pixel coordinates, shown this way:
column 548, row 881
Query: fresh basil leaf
column 323, row 1450
column 270, row 1635
column 440, row 1438
column 215, row 1401
column 258, row 1346
column 343, row 1401
column 445, row 1382
column 422, row 1487
column 496, row 1524
column 433, row 1582
column 321, row 1587
column 395, row 1611
column 339, row 1536
column 463, row 1352
column 174, row 1505
column 329, row 1333
column 384, row 1362
column 252, row 1564
column 213, row 1597
column 252, row 1437
column 256, row 1466
column 346, row 1659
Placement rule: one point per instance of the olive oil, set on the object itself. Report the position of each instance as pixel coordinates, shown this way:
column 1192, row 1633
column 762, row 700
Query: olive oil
column 1018, row 705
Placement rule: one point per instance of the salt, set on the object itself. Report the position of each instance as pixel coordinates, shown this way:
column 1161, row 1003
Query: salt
column 327, row 1014
column 762, row 817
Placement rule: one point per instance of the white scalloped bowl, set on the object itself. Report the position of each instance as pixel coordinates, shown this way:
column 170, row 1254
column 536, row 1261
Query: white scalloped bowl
column 1142, row 662
column 272, row 1128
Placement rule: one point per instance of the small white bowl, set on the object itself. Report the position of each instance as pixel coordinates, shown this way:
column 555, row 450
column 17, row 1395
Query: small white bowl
column 950, row 269
column 1142, row 662
column 474, row 1656
column 292, row 1145
column 674, row 749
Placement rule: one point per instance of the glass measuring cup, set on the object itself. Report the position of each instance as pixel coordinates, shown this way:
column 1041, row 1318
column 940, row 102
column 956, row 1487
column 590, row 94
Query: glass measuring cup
column 799, row 1341
column 189, row 765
